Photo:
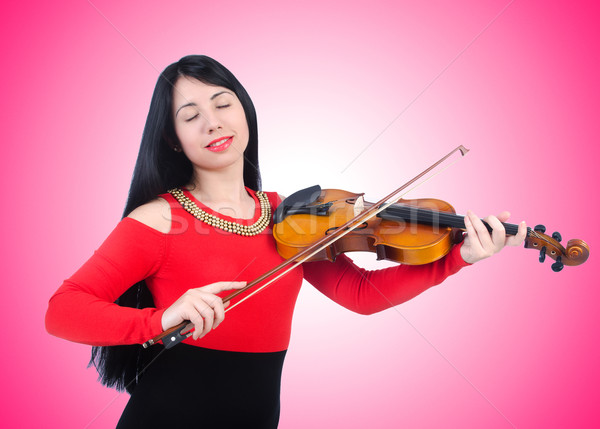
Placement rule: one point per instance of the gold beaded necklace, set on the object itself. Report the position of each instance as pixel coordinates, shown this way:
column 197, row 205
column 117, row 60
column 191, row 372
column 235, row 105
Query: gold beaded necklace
column 214, row 221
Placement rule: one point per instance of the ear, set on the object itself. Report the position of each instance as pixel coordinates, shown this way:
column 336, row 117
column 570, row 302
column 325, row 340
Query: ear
column 172, row 142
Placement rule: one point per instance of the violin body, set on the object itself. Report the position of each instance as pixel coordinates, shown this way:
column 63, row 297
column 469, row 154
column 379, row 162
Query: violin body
column 396, row 240
column 412, row 232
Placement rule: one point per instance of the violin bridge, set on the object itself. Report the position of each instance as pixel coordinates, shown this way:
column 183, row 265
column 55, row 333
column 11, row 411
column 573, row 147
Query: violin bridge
column 359, row 206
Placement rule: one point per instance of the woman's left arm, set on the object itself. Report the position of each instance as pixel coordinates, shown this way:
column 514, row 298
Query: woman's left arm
column 368, row 292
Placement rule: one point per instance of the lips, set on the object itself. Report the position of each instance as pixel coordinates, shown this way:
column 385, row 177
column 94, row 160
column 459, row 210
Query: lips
column 220, row 144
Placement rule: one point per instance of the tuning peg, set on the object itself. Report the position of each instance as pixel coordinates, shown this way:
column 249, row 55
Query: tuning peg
column 543, row 254
column 558, row 265
column 556, row 235
column 539, row 228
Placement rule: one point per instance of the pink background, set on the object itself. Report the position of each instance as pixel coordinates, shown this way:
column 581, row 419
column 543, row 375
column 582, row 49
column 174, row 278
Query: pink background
column 504, row 343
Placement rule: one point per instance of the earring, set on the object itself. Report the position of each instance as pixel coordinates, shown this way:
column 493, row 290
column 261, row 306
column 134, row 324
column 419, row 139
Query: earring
column 177, row 149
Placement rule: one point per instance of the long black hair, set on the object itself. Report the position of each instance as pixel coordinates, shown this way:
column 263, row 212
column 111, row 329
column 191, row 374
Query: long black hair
column 159, row 168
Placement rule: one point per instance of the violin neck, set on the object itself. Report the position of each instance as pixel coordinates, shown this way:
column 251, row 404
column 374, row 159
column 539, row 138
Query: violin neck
column 405, row 213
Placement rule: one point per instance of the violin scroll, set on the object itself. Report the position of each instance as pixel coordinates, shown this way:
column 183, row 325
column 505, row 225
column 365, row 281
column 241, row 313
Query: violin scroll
column 576, row 252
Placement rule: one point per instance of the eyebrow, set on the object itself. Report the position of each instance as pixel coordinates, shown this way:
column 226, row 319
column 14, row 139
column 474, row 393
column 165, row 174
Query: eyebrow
column 194, row 104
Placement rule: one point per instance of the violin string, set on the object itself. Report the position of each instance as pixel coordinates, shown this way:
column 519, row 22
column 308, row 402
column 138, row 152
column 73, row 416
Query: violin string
column 438, row 218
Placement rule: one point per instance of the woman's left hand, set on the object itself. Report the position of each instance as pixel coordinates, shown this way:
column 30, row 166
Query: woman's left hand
column 480, row 244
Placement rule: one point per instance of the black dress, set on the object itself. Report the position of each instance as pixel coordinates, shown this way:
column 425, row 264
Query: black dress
column 190, row 386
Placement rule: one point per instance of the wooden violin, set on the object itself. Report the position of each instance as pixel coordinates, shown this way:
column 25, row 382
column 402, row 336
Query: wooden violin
column 412, row 232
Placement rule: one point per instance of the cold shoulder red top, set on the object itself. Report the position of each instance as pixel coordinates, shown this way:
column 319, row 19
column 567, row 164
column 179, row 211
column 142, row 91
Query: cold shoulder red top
column 194, row 254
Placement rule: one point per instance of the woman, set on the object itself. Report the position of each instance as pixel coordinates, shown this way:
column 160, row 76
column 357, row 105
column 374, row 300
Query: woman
column 171, row 265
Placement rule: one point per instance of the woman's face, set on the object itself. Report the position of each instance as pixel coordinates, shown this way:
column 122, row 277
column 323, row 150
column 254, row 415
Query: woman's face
column 210, row 123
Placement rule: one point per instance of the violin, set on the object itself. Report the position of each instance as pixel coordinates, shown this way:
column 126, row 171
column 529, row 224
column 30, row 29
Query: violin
column 412, row 232
column 313, row 224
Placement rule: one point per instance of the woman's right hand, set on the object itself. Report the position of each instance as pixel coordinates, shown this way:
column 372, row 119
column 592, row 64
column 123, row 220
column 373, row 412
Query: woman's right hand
column 201, row 306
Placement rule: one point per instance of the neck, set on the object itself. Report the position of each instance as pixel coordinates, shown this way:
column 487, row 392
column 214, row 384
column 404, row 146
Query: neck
column 223, row 185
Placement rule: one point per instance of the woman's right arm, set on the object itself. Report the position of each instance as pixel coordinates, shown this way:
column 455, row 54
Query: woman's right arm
column 83, row 309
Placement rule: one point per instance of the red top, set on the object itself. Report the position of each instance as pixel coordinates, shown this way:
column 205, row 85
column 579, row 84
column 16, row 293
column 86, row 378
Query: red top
column 194, row 254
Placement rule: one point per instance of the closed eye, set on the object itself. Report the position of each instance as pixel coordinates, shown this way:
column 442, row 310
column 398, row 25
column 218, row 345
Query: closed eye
column 222, row 106
column 193, row 117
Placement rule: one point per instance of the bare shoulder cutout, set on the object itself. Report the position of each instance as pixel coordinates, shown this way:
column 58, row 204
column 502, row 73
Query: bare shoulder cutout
column 156, row 214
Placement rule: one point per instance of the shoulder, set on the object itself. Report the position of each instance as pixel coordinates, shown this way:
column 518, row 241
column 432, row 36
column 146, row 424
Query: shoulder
column 156, row 214
column 274, row 198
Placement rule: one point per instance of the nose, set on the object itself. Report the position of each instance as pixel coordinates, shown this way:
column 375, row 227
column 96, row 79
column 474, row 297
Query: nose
column 212, row 122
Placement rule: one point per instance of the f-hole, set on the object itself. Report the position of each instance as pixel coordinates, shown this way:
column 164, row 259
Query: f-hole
column 362, row 226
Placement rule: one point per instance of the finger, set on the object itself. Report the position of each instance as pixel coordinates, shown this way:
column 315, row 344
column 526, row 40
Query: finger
column 504, row 216
column 217, row 287
column 518, row 239
column 209, row 319
column 472, row 234
column 483, row 235
column 498, row 233
column 187, row 328
column 198, row 322
column 219, row 309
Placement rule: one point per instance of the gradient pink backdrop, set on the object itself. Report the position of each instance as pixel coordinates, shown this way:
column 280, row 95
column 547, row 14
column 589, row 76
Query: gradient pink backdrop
column 504, row 343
